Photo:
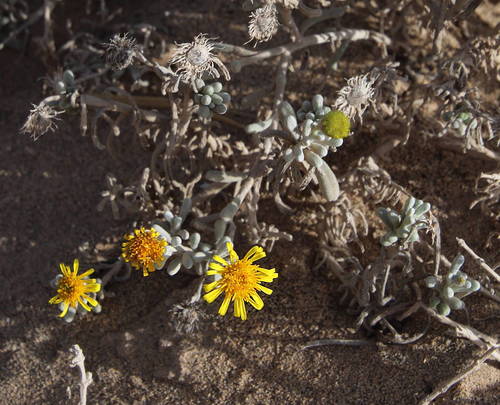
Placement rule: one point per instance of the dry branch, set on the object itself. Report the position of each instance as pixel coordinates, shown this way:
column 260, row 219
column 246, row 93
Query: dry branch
column 447, row 384
column 85, row 376
column 482, row 263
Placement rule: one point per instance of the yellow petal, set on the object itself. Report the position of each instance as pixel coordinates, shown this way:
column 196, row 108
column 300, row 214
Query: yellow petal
column 63, row 268
column 233, row 256
column 251, row 252
column 216, row 266
column 225, row 305
column 55, row 300
column 256, row 301
column 211, row 272
column 76, row 264
column 254, row 254
column 265, row 290
column 212, row 296
column 220, row 260
column 209, row 287
column 87, row 273
column 257, row 256
column 236, row 306
column 91, row 301
column 268, row 272
column 83, row 304
column 242, row 310
column 65, row 310
column 93, row 287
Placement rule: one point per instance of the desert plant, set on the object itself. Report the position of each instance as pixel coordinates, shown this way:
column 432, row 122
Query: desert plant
column 228, row 157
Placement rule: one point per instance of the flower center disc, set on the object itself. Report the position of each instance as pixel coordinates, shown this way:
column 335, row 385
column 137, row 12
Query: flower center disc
column 70, row 288
column 198, row 55
column 240, row 279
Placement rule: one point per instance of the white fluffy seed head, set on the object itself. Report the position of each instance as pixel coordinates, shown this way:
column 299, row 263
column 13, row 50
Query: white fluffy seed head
column 198, row 55
column 120, row 51
column 263, row 23
column 40, row 120
column 193, row 59
column 354, row 98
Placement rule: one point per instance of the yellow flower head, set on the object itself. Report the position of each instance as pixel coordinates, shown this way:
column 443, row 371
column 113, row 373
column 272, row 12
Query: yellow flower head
column 72, row 288
column 239, row 281
column 145, row 249
column 336, row 124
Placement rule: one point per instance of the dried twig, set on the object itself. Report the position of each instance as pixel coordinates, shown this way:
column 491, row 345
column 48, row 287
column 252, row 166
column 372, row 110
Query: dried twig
column 478, row 338
column 318, row 39
column 479, row 260
column 444, row 386
column 85, row 376
column 342, row 342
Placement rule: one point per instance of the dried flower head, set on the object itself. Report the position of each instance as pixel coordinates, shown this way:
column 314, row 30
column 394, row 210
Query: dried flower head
column 239, row 281
column 263, row 23
column 41, row 120
column 356, row 96
column 336, row 124
column 120, row 51
column 187, row 318
column 145, row 249
column 193, row 59
column 72, row 289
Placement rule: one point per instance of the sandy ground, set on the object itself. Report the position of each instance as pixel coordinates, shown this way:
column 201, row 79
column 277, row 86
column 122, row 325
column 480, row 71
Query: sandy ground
column 49, row 193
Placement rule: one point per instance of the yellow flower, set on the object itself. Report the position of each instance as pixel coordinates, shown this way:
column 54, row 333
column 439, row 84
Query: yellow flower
column 239, row 280
column 72, row 288
column 145, row 249
column 336, row 124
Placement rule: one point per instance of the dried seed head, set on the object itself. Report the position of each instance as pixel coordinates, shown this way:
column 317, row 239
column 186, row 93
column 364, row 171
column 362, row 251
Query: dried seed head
column 263, row 23
column 40, row 120
column 356, row 96
column 120, row 51
column 187, row 318
column 193, row 59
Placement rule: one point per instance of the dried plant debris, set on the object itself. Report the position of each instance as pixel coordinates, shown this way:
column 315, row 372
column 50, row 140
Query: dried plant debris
column 372, row 182
column 488, row 187
column 187, row 318
column 342, row 224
